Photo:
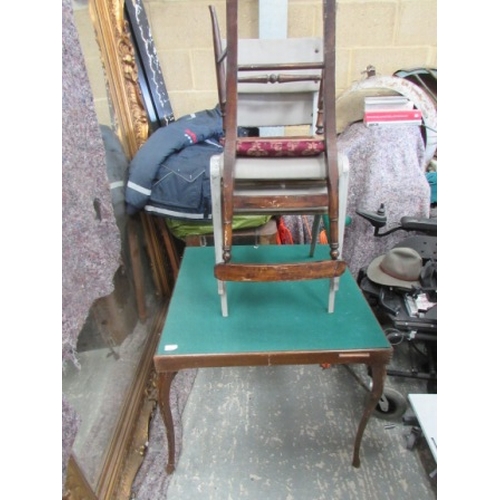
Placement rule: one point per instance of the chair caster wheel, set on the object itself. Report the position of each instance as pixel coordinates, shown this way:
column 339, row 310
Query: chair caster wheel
column 392, row 405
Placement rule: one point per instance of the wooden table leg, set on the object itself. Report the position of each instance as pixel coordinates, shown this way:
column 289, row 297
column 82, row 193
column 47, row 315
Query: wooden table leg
column 164, row 384
column 378, row 377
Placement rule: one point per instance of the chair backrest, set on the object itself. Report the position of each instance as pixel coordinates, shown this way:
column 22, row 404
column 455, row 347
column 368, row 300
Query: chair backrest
column 284, row 93
column 284, row 98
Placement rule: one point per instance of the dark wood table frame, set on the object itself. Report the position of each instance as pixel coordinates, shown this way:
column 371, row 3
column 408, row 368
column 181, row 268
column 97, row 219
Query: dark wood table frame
column 376, row 360
column 175, row 350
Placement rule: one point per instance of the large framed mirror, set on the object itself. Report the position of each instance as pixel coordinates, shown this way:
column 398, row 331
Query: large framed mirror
column 111, row 387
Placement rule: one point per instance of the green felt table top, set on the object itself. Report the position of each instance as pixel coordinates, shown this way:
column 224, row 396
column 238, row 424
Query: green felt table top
column 264, row 317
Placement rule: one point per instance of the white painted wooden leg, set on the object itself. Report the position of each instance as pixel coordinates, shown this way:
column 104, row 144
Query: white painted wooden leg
column 215, row 187
column 343, row 164
column 223, row 298
column 334, row 286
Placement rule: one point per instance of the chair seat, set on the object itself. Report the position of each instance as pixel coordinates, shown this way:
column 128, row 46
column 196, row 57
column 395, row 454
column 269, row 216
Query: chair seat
column 284, row 167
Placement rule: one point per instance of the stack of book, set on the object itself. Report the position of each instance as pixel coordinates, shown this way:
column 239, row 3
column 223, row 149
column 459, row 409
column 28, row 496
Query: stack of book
column 390, row 110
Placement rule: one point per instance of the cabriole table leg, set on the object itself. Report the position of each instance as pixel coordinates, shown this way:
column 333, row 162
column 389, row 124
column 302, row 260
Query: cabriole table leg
column 378, row 377
column 164, row 384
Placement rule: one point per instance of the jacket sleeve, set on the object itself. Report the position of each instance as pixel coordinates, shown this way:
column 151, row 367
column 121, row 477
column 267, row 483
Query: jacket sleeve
column 144, row 166
column 160, row 145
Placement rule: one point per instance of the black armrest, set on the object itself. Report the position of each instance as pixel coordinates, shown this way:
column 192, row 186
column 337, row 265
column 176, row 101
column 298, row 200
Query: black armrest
column 428, row 226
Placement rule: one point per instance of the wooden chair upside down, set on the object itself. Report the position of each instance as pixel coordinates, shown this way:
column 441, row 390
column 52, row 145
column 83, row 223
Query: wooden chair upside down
column 277, row 83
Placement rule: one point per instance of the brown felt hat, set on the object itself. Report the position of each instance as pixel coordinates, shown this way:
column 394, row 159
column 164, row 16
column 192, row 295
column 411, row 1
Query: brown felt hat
column 398, row 267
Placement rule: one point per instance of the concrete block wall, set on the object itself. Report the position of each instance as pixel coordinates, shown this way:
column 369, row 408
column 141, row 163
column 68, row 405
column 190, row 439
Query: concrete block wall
column 388, row 34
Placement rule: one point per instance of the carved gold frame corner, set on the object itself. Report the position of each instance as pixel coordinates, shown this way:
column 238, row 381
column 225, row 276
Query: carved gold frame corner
column 132, row 127
column 118, row 58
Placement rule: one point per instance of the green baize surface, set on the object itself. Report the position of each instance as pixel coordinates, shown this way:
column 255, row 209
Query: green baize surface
column 264, row 317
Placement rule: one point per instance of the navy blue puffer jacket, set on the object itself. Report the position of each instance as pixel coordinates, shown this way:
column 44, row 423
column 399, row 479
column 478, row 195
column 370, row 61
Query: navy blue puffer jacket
column 170, row 174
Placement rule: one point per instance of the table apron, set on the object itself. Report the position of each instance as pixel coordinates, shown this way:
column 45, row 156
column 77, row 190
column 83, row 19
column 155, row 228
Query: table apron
column 165, row 363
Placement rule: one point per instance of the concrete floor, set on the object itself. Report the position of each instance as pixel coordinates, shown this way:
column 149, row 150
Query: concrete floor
column 287, row 432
